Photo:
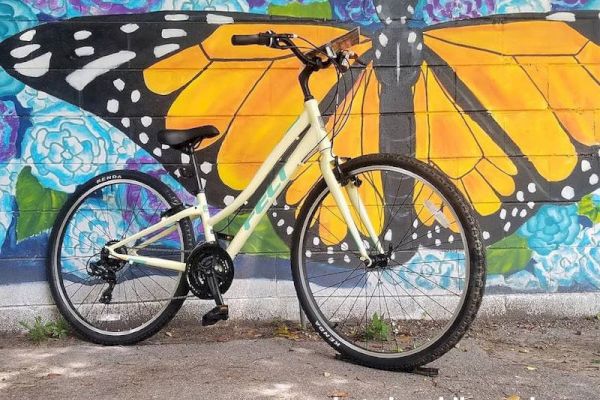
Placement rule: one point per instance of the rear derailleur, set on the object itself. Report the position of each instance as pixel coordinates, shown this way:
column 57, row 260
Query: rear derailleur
column 106, row 268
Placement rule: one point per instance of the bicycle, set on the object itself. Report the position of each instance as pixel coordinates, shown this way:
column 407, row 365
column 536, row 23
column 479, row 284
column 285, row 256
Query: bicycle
column 123, row 254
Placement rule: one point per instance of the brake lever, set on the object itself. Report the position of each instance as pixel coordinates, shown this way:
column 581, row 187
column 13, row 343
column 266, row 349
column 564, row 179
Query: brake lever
column 353, row 56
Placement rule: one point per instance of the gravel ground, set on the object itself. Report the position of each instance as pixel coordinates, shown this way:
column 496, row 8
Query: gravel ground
column 544, row 359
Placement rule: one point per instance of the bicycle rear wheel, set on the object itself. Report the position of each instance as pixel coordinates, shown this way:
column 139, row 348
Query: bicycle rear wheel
column 107, row 209
column 418, row 300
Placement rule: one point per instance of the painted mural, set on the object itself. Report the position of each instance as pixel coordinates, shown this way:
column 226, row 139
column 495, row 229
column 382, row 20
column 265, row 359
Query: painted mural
column 501, row 95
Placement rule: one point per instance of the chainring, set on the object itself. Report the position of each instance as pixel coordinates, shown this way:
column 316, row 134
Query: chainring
column 202, row 258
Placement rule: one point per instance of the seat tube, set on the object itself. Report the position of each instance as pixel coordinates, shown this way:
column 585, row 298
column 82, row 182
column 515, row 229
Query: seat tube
column 209, row 235
column 326, row 160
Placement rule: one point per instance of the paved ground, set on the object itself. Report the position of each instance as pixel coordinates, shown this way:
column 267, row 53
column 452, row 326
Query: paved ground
column 499, row 359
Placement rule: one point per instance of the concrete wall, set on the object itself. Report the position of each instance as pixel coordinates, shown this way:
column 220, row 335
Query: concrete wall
column 502, row 96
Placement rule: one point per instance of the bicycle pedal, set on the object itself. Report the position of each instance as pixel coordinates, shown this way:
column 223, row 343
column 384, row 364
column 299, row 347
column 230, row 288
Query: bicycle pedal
column 219, row 313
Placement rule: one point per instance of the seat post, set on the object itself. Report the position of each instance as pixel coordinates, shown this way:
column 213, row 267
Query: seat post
column 195, row 164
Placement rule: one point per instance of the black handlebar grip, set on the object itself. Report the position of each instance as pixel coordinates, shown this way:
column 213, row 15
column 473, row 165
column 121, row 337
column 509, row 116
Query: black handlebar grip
column 247, row 40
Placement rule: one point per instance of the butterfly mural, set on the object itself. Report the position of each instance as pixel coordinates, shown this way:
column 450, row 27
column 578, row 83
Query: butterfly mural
column 506, row 113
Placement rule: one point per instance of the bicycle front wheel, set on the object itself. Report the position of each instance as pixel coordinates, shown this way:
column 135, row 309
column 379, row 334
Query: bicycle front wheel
column 105, row 210
column 418, row 299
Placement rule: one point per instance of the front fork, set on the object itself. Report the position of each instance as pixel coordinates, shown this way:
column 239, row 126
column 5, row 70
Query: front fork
column 329, row 164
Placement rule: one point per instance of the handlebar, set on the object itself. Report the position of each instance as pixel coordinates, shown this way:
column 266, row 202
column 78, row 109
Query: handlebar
column 264, row 39
column 335, row 51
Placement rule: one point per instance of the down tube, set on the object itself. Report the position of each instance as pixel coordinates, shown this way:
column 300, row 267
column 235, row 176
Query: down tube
column 308, row 143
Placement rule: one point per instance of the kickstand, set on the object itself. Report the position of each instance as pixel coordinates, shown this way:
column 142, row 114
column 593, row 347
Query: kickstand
column 425, row 371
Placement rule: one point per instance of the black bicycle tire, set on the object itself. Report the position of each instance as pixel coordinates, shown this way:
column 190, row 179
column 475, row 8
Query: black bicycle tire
column 475, row 288
column 182, row 289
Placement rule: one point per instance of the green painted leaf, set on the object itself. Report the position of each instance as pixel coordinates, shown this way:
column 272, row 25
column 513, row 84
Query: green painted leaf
column 509, row 255
column 38, row 205
column 308, row 10
column 589, row 208
column 264, row 239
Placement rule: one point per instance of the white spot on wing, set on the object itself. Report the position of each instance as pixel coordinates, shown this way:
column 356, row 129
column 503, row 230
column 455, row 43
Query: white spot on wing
column 185, row 158
column 520, row 196
column 119, row 84
column 144, row 138
column 206, row 167
column 84, row 51
column 173, row 33
column 388, row 235
column 35, row 67
column 125, row 122
column 567, row 193
column 165, row 49
column 486, row 235
column 27, row 36
column 531, row 187
column 130, row 28
column 157, row 152
column 383, row 40
column 218, row 19
column 80, row 78
column 146, row 121
column 24, row 51
column 176, row 17
column 593, row 179
column 228, row 200
column 585, row 166
column 135, row 96
column 82, row 35
column 112, row 106
column 412, row 37
column 561, row 16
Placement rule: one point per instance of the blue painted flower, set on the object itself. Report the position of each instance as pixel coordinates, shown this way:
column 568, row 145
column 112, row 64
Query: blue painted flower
column 551, row 227
column 105, row 7
column 53, row 8
column 430, row 271
column 9, row 85
column 558, row 5
column 590, row 266
column 15, row 16
column 589, row 261
column 39, row 102
column 9, row 127
column 557, row 268
column 207, row 5
column 435, row 11
column 360, row 11
column 87, row 232
column 519, row 6
column 67, row 150
column 522, row 280
column 8, row 178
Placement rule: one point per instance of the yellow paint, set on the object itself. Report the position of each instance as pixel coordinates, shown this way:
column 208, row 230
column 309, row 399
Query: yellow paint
column 172, row 73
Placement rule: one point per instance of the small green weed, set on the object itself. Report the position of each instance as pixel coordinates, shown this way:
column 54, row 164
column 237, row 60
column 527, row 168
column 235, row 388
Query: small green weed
column 40, row 331
column 377, row 329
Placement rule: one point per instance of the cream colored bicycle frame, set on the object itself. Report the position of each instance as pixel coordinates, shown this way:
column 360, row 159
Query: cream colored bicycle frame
column 315, row 137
